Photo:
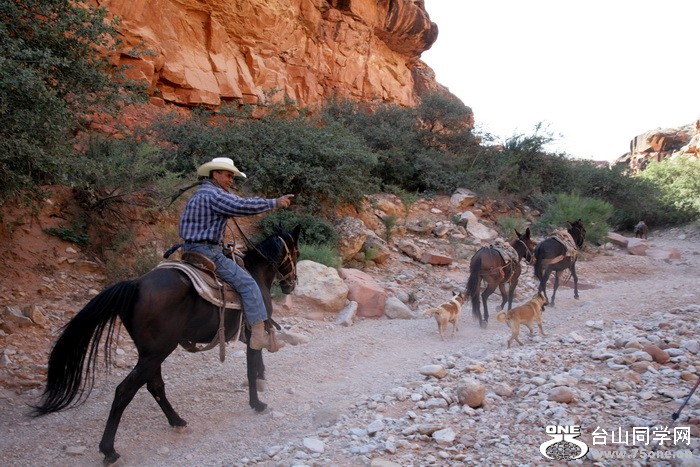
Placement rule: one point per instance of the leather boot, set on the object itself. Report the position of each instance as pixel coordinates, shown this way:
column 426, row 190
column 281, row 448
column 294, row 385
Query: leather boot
column 258, row 338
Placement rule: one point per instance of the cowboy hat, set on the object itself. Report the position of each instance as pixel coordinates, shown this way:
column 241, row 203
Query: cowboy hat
column 219, row 163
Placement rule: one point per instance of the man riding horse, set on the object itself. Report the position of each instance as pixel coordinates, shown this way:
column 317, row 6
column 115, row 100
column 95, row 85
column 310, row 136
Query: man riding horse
column 202, row 228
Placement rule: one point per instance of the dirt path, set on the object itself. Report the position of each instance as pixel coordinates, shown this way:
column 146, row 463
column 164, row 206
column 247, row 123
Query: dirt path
column 315, row 384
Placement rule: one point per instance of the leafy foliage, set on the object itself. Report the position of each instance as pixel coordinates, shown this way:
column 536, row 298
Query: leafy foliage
column 51, row 76
column 678, row 181
column 560, row 209
column 314, row 230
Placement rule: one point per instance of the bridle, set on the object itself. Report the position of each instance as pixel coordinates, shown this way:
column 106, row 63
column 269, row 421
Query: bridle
column 528, row 253
column 287, row 259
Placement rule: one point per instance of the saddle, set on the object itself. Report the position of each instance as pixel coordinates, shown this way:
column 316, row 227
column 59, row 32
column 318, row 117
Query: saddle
column 506, row 251
column 565, row 238
column 567, row 241
column 201, row 271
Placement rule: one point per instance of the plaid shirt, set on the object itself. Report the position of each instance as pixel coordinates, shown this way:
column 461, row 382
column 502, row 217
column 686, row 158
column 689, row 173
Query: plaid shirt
column 206, row 213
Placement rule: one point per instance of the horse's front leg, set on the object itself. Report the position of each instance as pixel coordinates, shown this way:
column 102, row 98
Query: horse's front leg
column 255, row 371
column 123, row 395
column 573, row 274
column 156, row 387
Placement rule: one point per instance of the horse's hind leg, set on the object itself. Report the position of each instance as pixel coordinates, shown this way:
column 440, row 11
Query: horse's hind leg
column 556, row 285
column 573, row 274
column 156, row 387
column 125, row 392
column 543, row 285
column 504, row 295
column 484, row 298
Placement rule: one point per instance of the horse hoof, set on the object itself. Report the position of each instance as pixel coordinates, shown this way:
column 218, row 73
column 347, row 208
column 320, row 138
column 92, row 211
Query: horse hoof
column 260, row 407
column 484, row 324
column 182, row 429
column 110, row 458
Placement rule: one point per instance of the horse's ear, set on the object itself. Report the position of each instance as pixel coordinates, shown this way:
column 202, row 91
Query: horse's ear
column 527, row 232
column 296, row 232
column 517, row 234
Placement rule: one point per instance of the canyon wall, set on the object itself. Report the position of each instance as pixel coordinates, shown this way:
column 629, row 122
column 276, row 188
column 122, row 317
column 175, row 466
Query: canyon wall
column 205, row 52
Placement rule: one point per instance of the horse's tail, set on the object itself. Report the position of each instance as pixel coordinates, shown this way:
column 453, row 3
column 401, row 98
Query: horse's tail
column 71, row 369
column 472, row 290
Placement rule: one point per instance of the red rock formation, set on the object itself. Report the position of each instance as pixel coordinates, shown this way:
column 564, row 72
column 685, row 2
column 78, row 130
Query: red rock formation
column 205, row 52
column 659, row 144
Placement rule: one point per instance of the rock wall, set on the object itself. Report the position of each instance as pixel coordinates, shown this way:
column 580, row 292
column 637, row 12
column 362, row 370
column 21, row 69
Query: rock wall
column 661, row 143
column 205, row 52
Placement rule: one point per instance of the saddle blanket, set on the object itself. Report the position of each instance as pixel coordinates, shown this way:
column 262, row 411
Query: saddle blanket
column 207, row 284
column 506, row 251
column 565, row 238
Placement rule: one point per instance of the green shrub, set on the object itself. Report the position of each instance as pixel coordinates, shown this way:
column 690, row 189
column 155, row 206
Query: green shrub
column 389, row 222
column 563, row 208
column 314, row 230
column 324, row 254
column 79, row 237
column 508, row 225
column 54, row 70
column 678, row 180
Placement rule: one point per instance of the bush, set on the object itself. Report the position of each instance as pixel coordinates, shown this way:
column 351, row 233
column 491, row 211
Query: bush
column 563, row 208
column 314, row 230
column 678, row 180
column 323, row 254
column 508, row 225
column 51, row 77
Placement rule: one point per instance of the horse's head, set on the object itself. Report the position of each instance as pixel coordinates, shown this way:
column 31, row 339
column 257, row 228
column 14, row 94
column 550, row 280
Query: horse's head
column 525, row 246
column 288, row 255
column 578, row 232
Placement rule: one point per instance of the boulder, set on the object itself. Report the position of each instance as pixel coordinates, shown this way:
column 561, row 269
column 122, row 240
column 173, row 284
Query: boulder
column 319, row 287
column 352, row 233
column 617, row 239
column 363, row 289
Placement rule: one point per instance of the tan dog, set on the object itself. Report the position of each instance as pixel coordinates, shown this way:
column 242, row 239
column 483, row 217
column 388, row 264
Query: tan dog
column 448, row 313
column 523, row 314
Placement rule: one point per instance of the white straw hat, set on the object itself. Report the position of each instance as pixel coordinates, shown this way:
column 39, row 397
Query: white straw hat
column 219, row 163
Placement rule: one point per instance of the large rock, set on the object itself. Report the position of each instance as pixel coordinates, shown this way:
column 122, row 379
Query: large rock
column 463, row 199
column 363, row 289
column 210, row 51
column 319, row 288
column 352, row 234
column 477, row 229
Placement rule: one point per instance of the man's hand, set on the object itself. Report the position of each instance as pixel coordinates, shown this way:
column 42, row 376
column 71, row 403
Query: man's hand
column 284, row 201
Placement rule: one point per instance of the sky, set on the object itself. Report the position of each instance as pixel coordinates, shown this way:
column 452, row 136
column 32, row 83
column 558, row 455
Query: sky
column 595, row 73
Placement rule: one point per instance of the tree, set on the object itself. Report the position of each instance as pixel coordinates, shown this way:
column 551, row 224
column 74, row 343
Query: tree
column 54, row 71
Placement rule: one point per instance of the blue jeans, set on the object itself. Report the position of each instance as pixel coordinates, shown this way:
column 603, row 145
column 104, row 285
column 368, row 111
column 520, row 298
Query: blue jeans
column 245, row 285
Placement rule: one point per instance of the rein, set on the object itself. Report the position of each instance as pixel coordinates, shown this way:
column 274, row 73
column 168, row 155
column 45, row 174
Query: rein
column 287, row 255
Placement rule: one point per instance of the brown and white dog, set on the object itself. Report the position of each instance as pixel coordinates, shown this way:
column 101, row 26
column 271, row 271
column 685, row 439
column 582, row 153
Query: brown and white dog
column 448, row 313
column 524, row 314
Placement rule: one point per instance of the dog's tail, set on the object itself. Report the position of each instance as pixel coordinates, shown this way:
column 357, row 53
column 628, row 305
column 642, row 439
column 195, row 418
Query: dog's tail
column 502, row 316
column 431, row 311
column 472, row 290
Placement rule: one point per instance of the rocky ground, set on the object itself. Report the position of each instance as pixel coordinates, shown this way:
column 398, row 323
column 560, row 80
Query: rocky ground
column 387, row 392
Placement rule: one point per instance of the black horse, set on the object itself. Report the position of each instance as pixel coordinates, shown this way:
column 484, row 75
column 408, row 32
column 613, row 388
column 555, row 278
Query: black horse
column 488, row 264
column 160, row 310
column 551, row 255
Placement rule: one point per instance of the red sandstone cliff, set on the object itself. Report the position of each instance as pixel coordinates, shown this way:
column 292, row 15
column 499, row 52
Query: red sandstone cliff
column 205, row 52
